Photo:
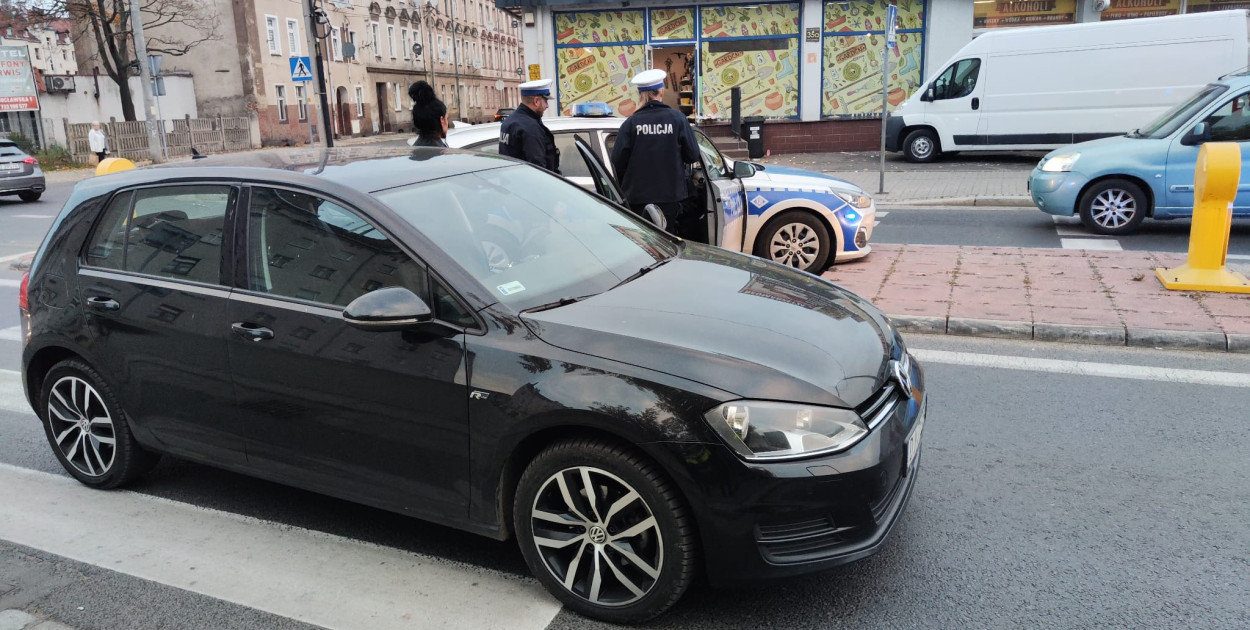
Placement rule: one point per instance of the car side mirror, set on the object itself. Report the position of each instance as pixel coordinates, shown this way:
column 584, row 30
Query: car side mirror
column 928, row 94
column 392, row 308
column 1199, row 134
column 656, row 216
column 743, row 170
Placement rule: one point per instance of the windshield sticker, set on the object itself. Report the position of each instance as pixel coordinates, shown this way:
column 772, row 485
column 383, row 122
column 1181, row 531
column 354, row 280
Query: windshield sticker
column 510, row 288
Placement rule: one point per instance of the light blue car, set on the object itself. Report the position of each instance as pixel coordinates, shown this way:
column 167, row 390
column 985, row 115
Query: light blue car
column 1115, row 183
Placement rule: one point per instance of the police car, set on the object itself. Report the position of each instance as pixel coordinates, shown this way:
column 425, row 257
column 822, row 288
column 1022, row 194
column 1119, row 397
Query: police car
column 799, row 218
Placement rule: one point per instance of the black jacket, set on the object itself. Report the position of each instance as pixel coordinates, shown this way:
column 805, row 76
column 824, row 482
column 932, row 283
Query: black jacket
column 524, row 136
column 429, row 141
column 651, row 153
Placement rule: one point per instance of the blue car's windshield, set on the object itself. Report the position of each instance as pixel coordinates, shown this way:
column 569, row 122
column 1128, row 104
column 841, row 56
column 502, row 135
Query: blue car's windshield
column 529, row 237
column 1172, row 120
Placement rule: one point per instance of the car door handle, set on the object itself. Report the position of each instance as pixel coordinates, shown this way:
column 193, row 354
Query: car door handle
column 251, row 331
column 976, row 103
column 103, row 303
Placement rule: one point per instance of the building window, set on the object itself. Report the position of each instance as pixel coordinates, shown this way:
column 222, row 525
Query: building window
column 301, row 106
column 390, row 40
column 336, row 44
column 377, row 40
column 292, row 37
column 399, row 98
column 360, row 102
column 271, row 35
column 403, row 41
column 351, row 37
column 279, row 92
column 442, row 53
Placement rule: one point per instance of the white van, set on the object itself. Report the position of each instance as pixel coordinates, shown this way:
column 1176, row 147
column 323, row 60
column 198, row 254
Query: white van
column 1040, row 88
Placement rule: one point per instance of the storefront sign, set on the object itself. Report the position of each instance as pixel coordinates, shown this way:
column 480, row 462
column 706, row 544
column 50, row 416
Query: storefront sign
column 1202, row 6
column 813, row 34
column 17, row 82
column 1004, row 13
column 672, row 24
column 1131, row 9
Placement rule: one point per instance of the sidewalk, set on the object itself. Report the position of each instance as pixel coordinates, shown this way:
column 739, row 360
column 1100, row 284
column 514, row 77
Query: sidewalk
column 1078, row 296
column 965, row 179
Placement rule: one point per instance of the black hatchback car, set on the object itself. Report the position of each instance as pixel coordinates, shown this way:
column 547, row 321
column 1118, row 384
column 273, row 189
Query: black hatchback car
column 470, row 340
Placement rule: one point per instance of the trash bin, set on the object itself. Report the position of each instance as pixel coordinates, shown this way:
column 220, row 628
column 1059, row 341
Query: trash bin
column 753, row 130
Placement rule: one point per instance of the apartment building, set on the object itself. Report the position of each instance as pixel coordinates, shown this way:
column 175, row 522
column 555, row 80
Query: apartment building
column 50, row 45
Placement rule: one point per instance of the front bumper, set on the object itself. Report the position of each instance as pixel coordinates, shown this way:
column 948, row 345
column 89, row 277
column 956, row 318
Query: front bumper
column 34, row 183
column 894, row 132
column 1056, row 193
column 762, row 521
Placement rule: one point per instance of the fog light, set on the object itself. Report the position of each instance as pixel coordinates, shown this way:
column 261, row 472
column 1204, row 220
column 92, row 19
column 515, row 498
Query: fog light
column 861, row 237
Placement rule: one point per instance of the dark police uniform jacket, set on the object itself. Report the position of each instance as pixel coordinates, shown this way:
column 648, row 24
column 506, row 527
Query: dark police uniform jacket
column 651, row 153
column 524, row 136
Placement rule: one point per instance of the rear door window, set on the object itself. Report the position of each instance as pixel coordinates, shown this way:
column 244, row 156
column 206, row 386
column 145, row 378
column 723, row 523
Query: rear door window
column 173, row 232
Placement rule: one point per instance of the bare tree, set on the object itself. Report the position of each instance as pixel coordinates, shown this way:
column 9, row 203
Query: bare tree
column 171, row 27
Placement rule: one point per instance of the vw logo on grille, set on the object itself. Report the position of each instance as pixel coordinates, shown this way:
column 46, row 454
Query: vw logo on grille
column 597, row 535
column 901, row 371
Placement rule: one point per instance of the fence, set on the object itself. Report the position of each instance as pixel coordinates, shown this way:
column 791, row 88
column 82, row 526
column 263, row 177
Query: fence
column 130, row 139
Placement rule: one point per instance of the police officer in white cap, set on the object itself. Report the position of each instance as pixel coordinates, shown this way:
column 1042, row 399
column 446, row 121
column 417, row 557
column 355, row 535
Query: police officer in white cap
column 651, row 153
column 523, row 134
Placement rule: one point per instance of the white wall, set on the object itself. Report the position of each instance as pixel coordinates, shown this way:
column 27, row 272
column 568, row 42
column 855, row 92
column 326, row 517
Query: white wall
column 949, row 28
column 80, row 106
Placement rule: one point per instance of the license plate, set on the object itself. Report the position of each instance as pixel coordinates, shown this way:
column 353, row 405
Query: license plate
column 10, row 167
column 913, row 440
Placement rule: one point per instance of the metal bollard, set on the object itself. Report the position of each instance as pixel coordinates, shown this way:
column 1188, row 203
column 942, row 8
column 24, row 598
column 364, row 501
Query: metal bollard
column 1215, row 187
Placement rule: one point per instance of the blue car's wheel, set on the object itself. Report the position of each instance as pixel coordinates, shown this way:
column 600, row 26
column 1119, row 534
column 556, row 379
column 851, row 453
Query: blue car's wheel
column 1114, row 207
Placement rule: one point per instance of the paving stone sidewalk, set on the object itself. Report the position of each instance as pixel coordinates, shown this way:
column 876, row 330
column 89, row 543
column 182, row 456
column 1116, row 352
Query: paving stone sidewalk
column 1046, row 294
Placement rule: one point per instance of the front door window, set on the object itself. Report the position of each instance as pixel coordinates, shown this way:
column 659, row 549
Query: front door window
column 958, row 81
column 1231, row 122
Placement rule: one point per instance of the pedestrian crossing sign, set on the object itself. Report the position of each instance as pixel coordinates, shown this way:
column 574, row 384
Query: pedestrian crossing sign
column 300, row 69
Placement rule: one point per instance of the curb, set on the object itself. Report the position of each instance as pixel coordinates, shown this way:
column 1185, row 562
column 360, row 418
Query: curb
column 998, row 202
column 1207, row 341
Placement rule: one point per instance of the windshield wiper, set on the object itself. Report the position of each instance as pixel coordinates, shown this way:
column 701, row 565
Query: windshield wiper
column 564, row 301
column 642, row 272
column 1136, row 133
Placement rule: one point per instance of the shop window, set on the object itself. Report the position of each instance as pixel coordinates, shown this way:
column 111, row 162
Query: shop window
column 854, row 34
column 1004, row 13
column 672, row 24
column 733, row 55
column 597, row 52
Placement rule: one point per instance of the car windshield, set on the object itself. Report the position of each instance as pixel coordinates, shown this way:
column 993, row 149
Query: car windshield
column 529, row 237
column 1172, row 120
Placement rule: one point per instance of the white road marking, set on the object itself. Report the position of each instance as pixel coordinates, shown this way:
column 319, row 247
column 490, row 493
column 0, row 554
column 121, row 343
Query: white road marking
column 5, row 282
column 1085, row 368
column 12, row 333
column 313, row 577
column 16, row 256
column 882, row 214
column 1105, row 245
column 1238, row 256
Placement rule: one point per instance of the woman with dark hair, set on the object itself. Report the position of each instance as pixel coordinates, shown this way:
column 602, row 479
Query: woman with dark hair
column 429, row 116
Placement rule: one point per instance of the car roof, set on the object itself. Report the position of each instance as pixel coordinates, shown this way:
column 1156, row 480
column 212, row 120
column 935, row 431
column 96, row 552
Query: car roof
column 366, row 169
column 486, row 131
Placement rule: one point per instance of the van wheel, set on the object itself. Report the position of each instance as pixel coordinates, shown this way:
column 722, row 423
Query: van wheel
column 604, row 531
column 921, row 145
column 796, row 239
column 1115, row 207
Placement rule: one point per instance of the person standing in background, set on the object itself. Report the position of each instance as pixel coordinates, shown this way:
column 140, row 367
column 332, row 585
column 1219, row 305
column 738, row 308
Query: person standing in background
column 98, row 140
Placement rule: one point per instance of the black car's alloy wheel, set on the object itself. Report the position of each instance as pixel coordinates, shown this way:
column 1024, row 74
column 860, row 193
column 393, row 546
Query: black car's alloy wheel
column 87, row 430
column 604, row 531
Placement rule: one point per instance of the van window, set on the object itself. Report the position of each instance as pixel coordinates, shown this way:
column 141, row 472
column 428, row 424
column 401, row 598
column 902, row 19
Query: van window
column 958, row 80
column 1231, row 122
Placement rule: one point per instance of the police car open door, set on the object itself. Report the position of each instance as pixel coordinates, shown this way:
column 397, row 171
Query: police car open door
column 724, row 198
column 605, row 185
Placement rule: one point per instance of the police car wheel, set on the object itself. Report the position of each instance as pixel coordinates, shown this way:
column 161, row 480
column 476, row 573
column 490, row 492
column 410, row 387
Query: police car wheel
column 796, row 239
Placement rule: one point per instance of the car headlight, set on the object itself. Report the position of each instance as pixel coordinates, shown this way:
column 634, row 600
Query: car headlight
column 1061, row 163
column 859, row 200
column 762, row 430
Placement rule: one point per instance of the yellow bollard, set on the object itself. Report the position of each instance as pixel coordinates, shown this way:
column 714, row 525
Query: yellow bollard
column 113, row 165
column 1215, row 187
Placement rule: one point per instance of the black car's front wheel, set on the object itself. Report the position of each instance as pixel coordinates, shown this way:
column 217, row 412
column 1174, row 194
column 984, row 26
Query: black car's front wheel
column 87, row 430
column 604, row 531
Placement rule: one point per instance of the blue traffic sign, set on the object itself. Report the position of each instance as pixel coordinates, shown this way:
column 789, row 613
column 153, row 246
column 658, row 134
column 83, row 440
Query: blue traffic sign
column 891, row 25
column 301, row 69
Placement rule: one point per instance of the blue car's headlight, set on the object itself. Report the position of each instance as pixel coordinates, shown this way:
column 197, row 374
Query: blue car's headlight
column 1061, row 163
column 764, row 430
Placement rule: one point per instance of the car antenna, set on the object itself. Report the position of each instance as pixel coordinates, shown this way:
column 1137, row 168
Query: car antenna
column 1241, row 70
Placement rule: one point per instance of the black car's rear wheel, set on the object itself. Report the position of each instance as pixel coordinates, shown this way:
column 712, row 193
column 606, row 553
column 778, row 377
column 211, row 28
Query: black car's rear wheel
column 87, row 430
column 604, row 531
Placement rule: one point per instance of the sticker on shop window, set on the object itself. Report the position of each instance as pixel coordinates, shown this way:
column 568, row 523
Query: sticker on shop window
column 510, row 288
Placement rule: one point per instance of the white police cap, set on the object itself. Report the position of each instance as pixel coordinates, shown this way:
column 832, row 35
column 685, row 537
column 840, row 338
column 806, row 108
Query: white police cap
column 541, row 87
column 649, row 80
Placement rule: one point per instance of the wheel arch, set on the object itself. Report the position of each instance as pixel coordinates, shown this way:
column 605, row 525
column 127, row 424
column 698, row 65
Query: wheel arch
column 1141, row 183
column 902, row 135
column 803, row 205
column 38, row 366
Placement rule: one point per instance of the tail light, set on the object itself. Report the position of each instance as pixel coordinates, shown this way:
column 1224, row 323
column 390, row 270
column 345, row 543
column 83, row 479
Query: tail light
column 30, row 160
column 22, row 302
